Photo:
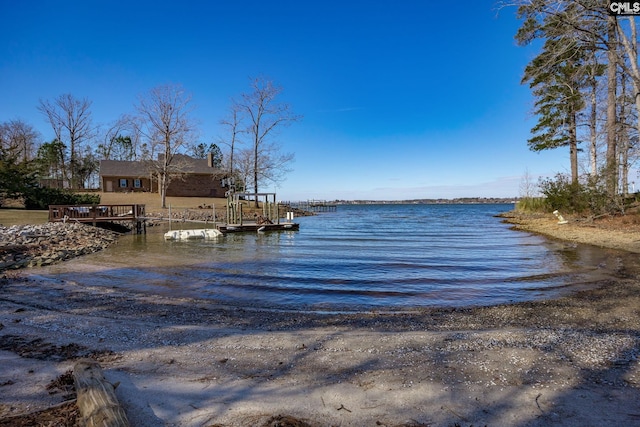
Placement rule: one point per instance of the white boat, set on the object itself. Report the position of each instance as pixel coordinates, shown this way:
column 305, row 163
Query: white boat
column 206, row 234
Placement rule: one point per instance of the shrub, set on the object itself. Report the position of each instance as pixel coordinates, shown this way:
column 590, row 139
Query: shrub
column 588, row 198
column 42, row 197
column 563, row 195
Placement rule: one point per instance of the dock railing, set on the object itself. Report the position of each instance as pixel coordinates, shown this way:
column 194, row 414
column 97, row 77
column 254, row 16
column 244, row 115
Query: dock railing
column 96, row 213
column 312, row 205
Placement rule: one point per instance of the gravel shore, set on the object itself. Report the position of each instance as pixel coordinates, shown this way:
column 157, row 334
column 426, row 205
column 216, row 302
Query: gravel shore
column 571, row 361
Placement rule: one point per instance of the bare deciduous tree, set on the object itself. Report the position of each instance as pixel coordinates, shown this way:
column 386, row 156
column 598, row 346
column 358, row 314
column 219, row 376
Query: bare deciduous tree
column 19, row 138
column 121, row 140
column 243, row 168
column 265, row 117
column 70, row 119
column 167, row 128
column 233, row 125
column 528, row 187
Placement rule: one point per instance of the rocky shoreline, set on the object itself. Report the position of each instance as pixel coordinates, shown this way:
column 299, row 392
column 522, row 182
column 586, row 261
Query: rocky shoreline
column 44, row 244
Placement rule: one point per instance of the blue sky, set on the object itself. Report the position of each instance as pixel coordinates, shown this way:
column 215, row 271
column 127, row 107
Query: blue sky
column 401, row 99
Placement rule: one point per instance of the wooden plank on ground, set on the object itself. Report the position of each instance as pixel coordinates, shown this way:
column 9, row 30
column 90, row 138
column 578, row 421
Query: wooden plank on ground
column 97, row 401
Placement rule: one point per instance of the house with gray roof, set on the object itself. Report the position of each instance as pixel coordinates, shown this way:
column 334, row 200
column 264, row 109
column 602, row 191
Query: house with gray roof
column 198, row 177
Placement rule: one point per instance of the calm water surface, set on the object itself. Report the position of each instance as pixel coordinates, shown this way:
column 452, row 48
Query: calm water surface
column 359, row 258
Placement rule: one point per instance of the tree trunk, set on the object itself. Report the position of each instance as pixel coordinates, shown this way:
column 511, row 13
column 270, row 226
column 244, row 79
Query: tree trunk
column 255, row 170
column 63, row 168
column 611, row 172
column 73, row 163
column 593, row 129
column 573, row 147
column 162, row 181
column 97, row 401
column 635, row 79
column 624, row 161
column 631, row 47
column 623, row 139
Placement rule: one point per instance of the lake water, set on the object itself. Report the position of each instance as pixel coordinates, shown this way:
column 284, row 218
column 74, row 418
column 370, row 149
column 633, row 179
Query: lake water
column 362, row 257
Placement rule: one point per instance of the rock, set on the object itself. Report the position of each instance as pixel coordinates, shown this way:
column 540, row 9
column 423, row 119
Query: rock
column 44, row 244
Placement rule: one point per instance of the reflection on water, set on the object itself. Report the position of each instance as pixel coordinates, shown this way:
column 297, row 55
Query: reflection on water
column 362, row 257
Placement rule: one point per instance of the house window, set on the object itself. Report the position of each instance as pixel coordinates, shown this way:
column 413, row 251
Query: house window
column 137, row 183
column 123, row 183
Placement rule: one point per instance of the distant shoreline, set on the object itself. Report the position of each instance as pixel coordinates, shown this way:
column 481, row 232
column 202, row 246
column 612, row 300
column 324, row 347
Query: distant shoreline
column 458, row 201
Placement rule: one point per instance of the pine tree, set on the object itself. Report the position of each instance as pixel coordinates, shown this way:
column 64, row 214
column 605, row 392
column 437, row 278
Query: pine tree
column 557, row 76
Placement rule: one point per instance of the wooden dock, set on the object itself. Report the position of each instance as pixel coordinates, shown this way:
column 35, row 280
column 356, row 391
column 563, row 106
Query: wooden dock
column 94, row 214
column 312, row 205
column 254, row 227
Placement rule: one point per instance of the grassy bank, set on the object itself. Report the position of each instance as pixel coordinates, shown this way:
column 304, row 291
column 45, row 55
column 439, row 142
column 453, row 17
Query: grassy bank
column 9, row 217
column 532, row 204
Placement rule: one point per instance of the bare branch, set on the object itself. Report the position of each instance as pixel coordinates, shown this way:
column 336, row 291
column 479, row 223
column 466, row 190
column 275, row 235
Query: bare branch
column 70, row 119
column 265, row 117
column 166, row 125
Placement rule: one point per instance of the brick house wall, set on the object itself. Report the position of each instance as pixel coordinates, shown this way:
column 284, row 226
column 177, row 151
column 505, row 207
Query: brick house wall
column 127, row 184
column 196, row 186
column 202, row 180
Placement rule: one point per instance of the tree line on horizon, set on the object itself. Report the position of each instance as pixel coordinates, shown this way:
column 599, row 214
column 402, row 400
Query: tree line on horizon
column 585, row 81
column 160, row 127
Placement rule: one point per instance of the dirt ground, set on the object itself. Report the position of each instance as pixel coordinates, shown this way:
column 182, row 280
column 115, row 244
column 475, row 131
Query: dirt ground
column 614, row 232
column 572, row 361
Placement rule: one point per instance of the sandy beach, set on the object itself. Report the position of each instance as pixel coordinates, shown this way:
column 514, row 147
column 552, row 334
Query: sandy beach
column 571, row 361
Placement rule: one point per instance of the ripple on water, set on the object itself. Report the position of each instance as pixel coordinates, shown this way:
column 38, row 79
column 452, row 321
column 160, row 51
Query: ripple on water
column 361, row 257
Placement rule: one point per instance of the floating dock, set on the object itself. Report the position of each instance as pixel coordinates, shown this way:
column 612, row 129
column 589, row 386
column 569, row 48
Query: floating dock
column 197, row 234
column 221, row 230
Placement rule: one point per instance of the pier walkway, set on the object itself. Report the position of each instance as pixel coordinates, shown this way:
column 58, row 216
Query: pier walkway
column 94, row 214
column 252, row 226
column 312, row 205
